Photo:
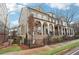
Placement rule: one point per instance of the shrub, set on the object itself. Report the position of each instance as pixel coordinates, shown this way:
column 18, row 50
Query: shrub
column 76, row 36
column 60, row 38
column 17, row 40
column 77, row 33
column 67, row 38
column 55, row 39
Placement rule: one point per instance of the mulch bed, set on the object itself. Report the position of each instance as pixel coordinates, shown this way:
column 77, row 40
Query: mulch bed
column 24, row 47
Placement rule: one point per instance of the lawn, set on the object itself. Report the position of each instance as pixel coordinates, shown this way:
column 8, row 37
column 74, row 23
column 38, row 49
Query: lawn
column 10, row 49
column 59, row 49
column 62, row 49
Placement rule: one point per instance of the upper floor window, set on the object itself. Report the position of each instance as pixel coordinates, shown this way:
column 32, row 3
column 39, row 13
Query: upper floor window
column 50, row 19
column 34, row 14
column 39, row 16
column 53, row 20
column 44, row 17
column 64, row 23
column 60, row 22
column 56, row 21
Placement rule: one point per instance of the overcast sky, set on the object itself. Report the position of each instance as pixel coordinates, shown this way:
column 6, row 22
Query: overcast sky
column 15, row 8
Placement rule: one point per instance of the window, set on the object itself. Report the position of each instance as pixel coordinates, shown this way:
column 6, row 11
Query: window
column 64, row 23
column 49, row 19
column 44, row 17
column 56, row 22
column 39, row 16
column 34, row 14
column 39, row 29
column 53, row 20
column 60, row 22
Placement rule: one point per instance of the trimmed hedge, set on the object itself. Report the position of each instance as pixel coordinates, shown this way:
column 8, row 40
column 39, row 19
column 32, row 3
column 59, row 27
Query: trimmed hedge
column 56, row 39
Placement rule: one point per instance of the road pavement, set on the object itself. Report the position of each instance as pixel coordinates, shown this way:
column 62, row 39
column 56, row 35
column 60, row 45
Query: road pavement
column 74, row 51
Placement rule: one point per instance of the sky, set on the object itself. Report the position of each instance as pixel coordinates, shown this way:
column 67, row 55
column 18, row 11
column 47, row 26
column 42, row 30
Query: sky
column 14, row 9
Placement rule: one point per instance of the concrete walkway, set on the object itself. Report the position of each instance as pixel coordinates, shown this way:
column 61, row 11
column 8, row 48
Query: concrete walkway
column 36, row 51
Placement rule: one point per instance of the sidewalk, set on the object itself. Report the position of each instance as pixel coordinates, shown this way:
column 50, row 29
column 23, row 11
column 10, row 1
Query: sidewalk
column 36, row 51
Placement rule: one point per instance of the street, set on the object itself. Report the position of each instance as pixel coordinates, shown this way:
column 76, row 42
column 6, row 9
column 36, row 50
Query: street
column 74, row 51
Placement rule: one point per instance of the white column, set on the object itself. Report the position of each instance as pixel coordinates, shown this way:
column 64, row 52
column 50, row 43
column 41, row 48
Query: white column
column 58, row 31
column 20, row 30
column 53, row 29
column 69, row 31
column 73, row 32
column 48, row 28
column 27, row 28
column 42, row 28
column 62, row 30
column 27, row 31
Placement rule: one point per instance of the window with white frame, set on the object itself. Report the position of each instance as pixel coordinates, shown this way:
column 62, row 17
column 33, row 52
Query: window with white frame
column 56, row 21
column 39, row 16
column 64, row 23
column 60, row 22
column 50, row 19
column 34, row 14
column 44, row 17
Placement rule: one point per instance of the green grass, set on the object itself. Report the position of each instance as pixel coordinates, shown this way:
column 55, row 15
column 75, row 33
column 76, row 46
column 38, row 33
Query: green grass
column 52, row 51
column 10, row 49
column 59, row 49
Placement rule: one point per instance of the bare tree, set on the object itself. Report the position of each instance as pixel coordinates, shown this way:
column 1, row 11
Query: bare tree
column 69, row 14
column 5, row 27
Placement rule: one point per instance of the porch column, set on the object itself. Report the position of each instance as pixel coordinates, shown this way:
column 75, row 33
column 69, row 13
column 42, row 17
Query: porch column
column 67, row 31
column 58, row 31
column 42, row 28
column 61, row 30
column 53, row 29
column 64, row 31
column 27, row 31
column 48, row 28
column 73, row 32
column 20, row 30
